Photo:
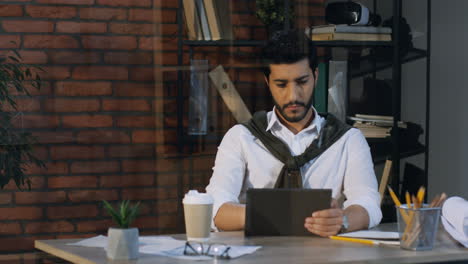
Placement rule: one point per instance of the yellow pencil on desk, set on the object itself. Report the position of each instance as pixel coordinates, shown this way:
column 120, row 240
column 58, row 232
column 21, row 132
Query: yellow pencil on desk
column 397, row 203
column 366, row 241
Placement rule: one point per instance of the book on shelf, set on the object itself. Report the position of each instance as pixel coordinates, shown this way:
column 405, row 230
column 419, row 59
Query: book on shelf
column 331, row 28
column 223, row 11
column 213, row 19
column 200, row 6
column 351, row 37
column 373, row 131
column 385, row 121
column 321, row 90
column 192, row 20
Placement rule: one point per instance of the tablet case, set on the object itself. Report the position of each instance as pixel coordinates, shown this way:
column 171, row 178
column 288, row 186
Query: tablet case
column 282, row 212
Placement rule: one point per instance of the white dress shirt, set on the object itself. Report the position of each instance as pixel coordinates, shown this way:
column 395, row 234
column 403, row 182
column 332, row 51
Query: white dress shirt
column 243, row 162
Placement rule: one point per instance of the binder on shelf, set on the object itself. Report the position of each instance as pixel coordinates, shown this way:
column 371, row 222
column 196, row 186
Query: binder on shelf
column 351, row 37
column 192, row 20
column 348, row 29
column 203, row 19
column 213, row 19
column 223, row 11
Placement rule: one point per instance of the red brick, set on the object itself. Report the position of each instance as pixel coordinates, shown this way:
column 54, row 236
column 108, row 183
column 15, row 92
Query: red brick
column 72, row 182
column 94, row 226
column 27, row 26
column 67, row 2
column 10, row 229
column 41, row 152
column 128, row 58
column 24, row 105
column 142, row 74
column 139, row 165
column 100, row 73
column 10, row 41
column 167, row 221
column 36, row 121
column 33, row 57
column 45, row 89
column 131, row 29
column 40, row 197
column 103, row 13
column 141, row 14
column 164, row 207
column 131, row 151
column 127, row 180
column 141, row 194
column 51, row 11
column 54, row 72
column 134, row 89
column 44, row 137
column 92, row 195
column 126, row 105
column 169, row 165
column 5, row 198
column 19, row 243
column 50, row 42
column 76, row 152
column 71, row 105
column 37, row 182
column 83, row 88
column 11, row 11
column 167, row 179
column 70, row 57
column 157, row 43
column 72, row 211
column 20, row 213
column 81, row 27
column 146, row 222
column 94, row 166
column 136, row 121
column 49, row 227
column 51, row 168
column 146, row 136
column 103, row 136
column 165, row 4
column 141, row 3
column 87, row 121
column 203, row 163
column 109, row 42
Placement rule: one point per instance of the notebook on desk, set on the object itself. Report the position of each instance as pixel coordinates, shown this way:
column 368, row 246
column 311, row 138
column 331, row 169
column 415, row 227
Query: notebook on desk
column 282, row 212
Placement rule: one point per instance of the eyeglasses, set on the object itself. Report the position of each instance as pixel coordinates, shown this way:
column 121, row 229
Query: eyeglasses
column 215, row 250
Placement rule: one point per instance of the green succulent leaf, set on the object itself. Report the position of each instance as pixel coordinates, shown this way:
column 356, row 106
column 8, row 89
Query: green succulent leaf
column 125, row 213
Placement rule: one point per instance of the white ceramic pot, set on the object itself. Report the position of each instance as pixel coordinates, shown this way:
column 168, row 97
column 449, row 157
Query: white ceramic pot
column 122, row 243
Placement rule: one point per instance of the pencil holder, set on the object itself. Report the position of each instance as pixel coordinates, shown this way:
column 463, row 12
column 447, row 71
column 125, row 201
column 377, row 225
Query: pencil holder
column 417, row 228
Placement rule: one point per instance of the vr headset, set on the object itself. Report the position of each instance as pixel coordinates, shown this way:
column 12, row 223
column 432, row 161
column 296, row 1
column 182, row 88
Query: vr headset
column 350, row 13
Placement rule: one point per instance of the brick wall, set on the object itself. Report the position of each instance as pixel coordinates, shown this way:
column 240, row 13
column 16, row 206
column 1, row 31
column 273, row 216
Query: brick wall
column 106, row 118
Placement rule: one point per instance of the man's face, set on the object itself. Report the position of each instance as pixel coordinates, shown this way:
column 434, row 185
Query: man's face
column 292, row 86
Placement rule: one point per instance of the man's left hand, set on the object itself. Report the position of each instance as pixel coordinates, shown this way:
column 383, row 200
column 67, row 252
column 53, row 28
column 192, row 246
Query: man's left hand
column 327, row 222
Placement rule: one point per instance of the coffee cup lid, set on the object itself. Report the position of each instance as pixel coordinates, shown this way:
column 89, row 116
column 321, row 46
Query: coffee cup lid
column 194, row 197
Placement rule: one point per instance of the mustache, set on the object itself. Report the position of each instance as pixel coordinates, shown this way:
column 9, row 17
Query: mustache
column 294, row 103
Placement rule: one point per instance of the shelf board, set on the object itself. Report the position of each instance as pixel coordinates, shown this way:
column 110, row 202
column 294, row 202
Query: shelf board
column 246, row 43
column 366, row 63
column 223, row 43
column 381, row 158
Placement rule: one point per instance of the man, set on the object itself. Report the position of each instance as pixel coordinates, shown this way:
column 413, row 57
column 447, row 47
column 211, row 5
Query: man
column 293, row 146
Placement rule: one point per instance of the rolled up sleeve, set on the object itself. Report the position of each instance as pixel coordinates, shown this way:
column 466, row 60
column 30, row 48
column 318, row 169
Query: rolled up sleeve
column 228, row 172
column 360, row 183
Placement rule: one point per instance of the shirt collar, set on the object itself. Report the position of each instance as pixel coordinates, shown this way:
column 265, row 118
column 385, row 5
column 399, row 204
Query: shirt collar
column 274, row 121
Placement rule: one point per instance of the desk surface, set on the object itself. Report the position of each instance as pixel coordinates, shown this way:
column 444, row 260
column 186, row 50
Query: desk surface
column 281, row 250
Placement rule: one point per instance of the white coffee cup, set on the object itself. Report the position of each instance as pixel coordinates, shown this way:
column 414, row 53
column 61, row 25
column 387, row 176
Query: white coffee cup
column 198, row 210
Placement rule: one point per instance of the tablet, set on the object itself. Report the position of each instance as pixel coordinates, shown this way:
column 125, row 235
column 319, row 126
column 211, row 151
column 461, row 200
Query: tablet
column 282, row 212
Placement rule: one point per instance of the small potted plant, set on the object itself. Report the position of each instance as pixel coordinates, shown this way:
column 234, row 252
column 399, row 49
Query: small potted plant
column 273, row 14
column 122, row 240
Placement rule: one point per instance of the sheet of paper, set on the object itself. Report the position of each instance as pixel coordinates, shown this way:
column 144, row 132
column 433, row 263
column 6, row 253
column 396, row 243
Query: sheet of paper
column 372, row 234
column 97, row 241
column 460, row 237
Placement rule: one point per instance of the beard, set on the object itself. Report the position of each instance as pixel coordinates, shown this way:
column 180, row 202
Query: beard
column 295, row 118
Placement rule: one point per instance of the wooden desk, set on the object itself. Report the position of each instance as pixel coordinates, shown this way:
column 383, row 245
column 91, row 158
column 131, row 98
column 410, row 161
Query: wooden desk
column 281, row 250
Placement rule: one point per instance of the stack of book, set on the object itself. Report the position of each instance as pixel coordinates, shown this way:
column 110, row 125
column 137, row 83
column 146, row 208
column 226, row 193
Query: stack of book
column 208, row 19
column 349, row 33
column 375, row 126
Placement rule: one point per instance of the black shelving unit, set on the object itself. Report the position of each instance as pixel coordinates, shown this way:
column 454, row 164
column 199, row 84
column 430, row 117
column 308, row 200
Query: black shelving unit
column 367, row 65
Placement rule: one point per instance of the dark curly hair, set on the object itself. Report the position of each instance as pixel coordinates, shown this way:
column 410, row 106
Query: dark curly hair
column 288, row 46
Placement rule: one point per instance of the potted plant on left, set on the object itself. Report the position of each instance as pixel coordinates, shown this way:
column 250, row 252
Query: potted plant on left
column 16, row 150
column 122, row 240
